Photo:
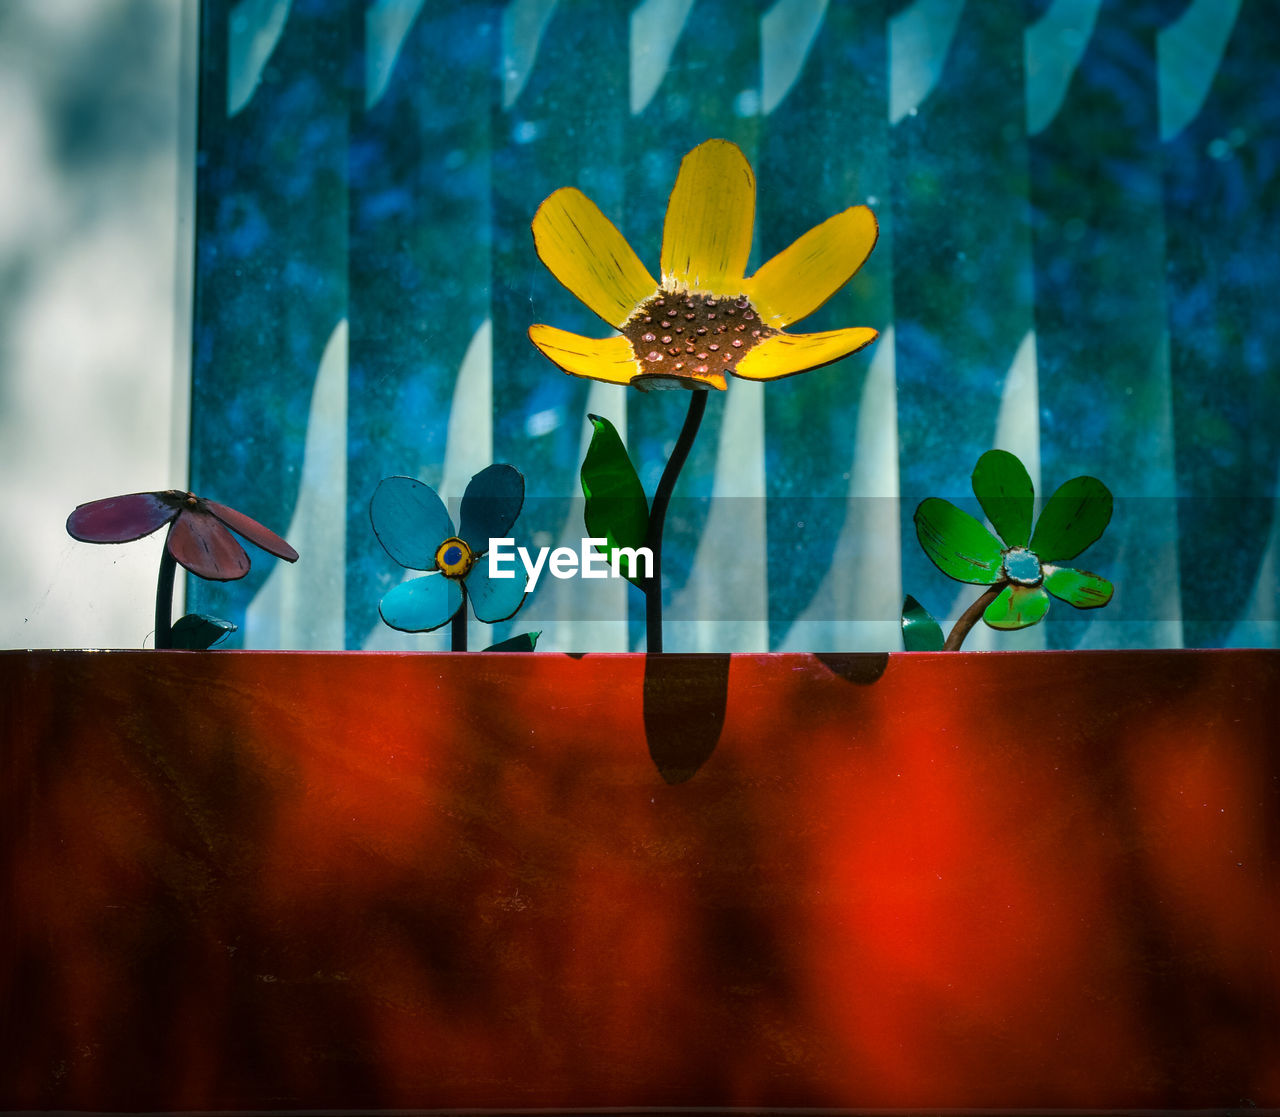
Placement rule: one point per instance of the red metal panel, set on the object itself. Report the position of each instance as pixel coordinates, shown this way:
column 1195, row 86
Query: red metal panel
column 359, row 881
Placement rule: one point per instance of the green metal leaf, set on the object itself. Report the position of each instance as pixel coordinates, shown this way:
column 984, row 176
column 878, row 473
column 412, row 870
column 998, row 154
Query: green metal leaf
column 1075, row 516
column 1017, row 607
column 1078, row 587
column 1003, row 488
column 197, row 632
column 958, row 545
column 920, row 632
column 616, row 509
column 525, row 642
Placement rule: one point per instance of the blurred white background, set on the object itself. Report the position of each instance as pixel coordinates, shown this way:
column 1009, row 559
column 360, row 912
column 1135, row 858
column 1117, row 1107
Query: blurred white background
column 97, row 120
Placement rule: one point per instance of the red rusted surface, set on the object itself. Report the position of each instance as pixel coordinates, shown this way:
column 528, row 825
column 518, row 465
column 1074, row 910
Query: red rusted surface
column 363, row 881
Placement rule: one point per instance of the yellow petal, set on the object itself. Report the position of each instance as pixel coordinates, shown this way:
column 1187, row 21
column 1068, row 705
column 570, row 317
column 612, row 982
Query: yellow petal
column 803, row 276
column 787, row 354
column 609, row 359
column 584, row 250
column 707, row 236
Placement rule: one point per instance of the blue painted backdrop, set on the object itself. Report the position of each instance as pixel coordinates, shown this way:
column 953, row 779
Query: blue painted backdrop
column 1079, row 203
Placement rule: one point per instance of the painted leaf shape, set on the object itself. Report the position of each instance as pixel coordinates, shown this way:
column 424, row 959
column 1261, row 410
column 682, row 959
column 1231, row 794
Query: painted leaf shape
column 1078, row 587
column 490, row 505
column 410, row 521
column 121, row 519
column 616, row 508
column 198, row 632
column 1074, row 517
column 525, row 642
column 920, row 632
column 1003, row 488
column 958, row 545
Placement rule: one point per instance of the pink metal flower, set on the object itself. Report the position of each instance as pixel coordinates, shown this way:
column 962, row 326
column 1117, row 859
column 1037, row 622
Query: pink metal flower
column 198, row 536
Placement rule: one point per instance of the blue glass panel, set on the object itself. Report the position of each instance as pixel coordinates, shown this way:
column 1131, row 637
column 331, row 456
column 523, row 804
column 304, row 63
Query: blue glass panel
column 962, row 291
column 1078, row 211
column 1222, row 193
column 827, row 488
column 695, row 75
column 560, row 120
column 271, row 261
column 420, row 262
column 1104, row 386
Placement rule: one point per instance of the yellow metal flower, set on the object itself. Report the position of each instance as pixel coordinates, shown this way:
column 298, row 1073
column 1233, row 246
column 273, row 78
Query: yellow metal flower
column 705, row 318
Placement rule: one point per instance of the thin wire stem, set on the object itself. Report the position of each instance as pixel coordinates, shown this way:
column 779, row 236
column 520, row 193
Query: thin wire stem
column 970, row 617
column 458, row 628
column 164, row 599
column 658, row 515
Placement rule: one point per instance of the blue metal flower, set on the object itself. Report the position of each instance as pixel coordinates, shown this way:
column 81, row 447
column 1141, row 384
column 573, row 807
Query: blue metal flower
column 413, row 525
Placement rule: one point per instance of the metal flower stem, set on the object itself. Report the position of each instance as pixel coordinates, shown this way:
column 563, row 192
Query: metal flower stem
column 164, row 600
column 458, row 627
column 658, row 515
column 970, row 617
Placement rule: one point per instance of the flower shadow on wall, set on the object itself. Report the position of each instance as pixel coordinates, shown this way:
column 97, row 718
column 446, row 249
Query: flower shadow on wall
column 705, row 320
column 415, row 528
column 200, row 540
column 1019, row 568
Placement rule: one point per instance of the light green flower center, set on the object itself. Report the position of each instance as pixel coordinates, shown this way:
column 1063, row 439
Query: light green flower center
column 1022, row 567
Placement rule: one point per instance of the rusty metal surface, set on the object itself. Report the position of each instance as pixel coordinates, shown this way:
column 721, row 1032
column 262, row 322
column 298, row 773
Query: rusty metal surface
column 360, row 881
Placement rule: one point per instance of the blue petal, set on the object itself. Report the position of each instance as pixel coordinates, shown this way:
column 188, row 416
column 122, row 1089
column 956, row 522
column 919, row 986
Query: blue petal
column 490, row 506
column 421, row 604
column 495, row 599
column 410, row 521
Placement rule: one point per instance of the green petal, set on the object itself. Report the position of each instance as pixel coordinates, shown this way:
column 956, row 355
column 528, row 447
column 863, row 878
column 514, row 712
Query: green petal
column 616, row 509
column 1078, row 587
column 958, row 545
column 920, row 632
column 1017, row 607
column 1003, row 488
column 1075, row 516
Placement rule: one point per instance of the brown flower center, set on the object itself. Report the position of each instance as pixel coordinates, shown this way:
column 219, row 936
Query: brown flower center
column 690, row 336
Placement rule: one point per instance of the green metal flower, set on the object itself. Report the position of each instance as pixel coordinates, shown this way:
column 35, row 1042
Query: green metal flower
column 1021, row 566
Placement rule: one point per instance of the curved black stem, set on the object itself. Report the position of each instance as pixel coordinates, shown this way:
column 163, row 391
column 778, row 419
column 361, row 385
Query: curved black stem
column 458, row 628
column 970, row 617
column 658, row 514
column 164, row 599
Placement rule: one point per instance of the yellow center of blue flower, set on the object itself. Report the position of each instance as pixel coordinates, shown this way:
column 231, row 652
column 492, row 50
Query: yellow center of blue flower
column 454, row 558
column 1022, row 567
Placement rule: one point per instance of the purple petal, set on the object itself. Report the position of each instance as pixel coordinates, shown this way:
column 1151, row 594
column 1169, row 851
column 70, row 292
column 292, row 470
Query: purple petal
column 122, row 519
column 200, row 543
column 253, row 531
